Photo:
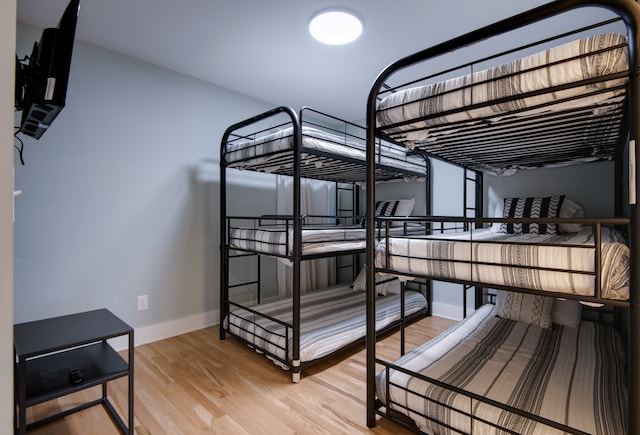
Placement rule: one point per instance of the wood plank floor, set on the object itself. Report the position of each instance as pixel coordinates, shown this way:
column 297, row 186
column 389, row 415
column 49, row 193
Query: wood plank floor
column 198, row 384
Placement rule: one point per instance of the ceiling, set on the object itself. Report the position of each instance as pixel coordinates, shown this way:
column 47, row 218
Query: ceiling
column 262, row 48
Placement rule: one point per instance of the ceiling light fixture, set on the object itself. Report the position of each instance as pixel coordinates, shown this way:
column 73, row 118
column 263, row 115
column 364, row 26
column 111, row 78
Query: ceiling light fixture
column 335, row 26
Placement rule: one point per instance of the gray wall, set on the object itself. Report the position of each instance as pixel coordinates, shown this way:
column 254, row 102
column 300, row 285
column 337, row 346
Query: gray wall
column 590, row 185
column 114, row 205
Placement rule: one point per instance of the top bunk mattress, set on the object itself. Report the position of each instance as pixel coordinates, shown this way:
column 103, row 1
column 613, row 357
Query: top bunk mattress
column 588, row 74
column 322, row 152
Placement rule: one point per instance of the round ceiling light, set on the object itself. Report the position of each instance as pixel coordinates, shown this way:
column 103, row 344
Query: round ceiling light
column 335, row 26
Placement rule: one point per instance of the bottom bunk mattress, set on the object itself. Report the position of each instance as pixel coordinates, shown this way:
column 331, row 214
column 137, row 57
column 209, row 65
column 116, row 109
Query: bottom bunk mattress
column 330, row 319
column 572, row 376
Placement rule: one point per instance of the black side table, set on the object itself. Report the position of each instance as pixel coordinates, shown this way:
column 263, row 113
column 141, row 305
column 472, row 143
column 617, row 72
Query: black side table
column 62, row 355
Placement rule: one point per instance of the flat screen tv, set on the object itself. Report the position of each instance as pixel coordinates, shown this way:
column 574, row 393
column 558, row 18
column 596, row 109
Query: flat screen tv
column 42, row 77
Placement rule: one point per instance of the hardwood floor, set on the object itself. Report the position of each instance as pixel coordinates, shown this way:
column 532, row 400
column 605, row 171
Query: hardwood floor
column 198, row 384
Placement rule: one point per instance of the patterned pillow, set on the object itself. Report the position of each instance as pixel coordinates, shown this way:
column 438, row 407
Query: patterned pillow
column 386, row 208
column 547, row 207
column 383, row 208
column 533, row 309
column 398, row 207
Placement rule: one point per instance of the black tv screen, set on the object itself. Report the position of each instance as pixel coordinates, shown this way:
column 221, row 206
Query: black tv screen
column 41, row 84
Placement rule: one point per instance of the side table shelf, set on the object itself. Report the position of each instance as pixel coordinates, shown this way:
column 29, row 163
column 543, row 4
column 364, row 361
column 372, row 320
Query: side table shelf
column 62, row 355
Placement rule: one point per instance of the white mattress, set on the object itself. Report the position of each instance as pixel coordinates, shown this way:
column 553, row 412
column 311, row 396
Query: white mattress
column 524, row 261
column 573, row 376
column 264, row 149
column 330, row 319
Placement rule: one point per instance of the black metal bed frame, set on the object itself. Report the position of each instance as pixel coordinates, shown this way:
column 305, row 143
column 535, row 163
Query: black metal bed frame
column 629, row 13
column 343, row 169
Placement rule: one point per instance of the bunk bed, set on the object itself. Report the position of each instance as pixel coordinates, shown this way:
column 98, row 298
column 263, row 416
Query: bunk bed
column 514, row 367
column 298, row 330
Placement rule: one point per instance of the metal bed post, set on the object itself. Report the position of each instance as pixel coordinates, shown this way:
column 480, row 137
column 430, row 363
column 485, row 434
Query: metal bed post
column 479, row 201
column 632, row 18
column 370, row 122
column 224, row 251
column 297, row 245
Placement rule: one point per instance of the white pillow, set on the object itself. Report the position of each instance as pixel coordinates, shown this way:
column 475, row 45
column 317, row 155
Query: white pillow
column 566, row 313
column 497, row 212
column 399, row 207
column 570, row 209
column 405, row 207
column 533, row 309
column 385, row 283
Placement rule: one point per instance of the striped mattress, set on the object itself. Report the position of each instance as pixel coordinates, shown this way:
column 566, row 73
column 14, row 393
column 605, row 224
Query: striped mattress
column 572, row 376
column 265, row 152
column 515, row 89
column 561, row 263
column 278, row 240
column 330, row 319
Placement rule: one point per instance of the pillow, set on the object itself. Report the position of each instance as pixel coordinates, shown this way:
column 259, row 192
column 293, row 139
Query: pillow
column 385, row 283
column 399, row 207
column 383, row 208
column 547, row 207
column 386, row 208
column 533, row 309
column 498, row 211
column 405, row 207
column 570, row 209
column 566, row 313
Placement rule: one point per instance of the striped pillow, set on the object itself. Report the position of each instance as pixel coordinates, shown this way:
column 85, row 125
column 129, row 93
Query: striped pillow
column 390, row 208
column 386, row 208
column 547, row 207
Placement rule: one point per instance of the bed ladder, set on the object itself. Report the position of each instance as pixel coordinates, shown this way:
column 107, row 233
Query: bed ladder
column 473, row 208
column 347, row 201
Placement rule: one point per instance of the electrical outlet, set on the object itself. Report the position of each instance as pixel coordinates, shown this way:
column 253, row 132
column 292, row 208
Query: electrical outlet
column 143, row 302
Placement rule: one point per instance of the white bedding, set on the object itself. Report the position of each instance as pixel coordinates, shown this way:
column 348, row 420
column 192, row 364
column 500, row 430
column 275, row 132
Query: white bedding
column 525, row 261
column 573, row 376
column 265, row 149
column 330, row 319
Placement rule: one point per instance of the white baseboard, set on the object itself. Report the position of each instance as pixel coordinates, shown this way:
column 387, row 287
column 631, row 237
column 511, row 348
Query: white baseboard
column 447, row 311
column 163, row 330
